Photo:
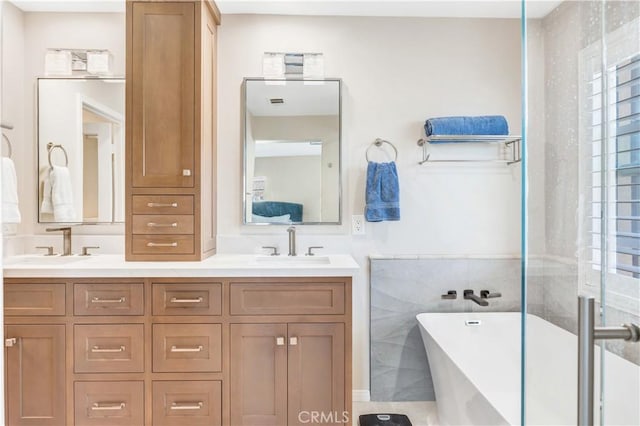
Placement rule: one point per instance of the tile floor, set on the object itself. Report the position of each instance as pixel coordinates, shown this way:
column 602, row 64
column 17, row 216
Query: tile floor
column 420, row 413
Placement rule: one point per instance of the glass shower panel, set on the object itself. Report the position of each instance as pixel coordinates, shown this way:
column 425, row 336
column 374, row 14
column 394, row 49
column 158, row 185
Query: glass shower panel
column 583, row 205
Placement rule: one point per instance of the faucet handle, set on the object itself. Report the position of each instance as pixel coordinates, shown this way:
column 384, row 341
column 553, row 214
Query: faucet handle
column 85, row 250
column 274, row 250
column 49, row 250
column 486, row 294
column 311, row 248
column 451, row 294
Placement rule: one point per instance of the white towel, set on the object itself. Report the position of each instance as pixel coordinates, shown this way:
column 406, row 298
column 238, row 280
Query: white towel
column 61, row 194
column 47, row 204
column 10, row 210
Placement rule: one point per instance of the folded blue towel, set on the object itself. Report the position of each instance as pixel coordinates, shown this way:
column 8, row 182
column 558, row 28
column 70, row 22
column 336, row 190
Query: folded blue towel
column 482, row 125
column 383, row 192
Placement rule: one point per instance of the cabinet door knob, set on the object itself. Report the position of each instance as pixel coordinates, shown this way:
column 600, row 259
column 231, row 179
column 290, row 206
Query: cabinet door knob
column 10, row 342
column 279, row 341
column 293, row 341
column 186, row 172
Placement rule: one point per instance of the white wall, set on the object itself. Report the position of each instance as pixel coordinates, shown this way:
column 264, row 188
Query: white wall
column 396, row 73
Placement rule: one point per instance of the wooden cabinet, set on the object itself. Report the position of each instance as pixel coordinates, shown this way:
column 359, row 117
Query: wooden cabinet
column 35, row 375
column 171, row 130
column 177, row 351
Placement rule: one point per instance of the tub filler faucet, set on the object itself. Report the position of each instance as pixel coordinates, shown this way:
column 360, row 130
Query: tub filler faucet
column 469, row 295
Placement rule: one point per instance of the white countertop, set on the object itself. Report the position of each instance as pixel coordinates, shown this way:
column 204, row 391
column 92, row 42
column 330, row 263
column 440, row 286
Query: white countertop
column 222, row 265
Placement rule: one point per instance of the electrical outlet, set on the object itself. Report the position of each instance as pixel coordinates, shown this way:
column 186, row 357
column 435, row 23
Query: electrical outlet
column 357, row 224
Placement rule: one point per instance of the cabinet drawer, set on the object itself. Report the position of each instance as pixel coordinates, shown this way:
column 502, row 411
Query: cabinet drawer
column 163, row 244
column 159, row 224
column 187, row 347
column 113, row 348
column 34, row 299
column 187, row 403
column 287, row 299
column 187, row 299
column 162, row 204
column 108, row 403
column 108, row 299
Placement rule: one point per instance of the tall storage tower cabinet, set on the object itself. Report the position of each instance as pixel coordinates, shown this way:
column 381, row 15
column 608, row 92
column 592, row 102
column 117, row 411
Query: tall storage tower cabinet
column 171, row 130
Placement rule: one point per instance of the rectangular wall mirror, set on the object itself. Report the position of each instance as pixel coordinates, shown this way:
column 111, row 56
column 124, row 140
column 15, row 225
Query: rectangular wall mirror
column 81, row 150
column 292, row 161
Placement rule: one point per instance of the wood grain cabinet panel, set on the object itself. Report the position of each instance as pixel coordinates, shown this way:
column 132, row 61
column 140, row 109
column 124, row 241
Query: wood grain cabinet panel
column 287, row 298
column 162, row 204
column 187, row 298
column 109, row 403
column 187, row 403
column 108, row 299
column 258, row 374
column 34, row 299
column 113, row 348
column 187, row 347
column 35, row 375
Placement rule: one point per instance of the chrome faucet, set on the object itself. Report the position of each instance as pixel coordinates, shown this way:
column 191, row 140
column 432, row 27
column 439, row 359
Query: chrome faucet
column 468, row 295
column 66, row 239
column 292, row 240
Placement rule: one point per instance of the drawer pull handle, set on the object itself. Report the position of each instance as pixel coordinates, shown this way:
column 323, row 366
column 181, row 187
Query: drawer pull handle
column 197, row 405
column 196, row 300
column 293, row 341
column 279, row 341
column 162, row 225
column 198, row 348
column 174, row 205
column 114, row 300
column 173, row 244
column 98, row 349
column 103, row 406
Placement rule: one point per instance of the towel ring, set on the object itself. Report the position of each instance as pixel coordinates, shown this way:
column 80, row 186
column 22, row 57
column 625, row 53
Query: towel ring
column 51, row 146
column 5, row 138
column 378, row 142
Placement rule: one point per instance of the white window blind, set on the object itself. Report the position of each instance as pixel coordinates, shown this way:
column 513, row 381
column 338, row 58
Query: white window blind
column 621, row 168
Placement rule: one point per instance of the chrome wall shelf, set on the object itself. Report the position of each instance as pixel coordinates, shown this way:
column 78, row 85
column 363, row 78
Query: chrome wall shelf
column 512, row 146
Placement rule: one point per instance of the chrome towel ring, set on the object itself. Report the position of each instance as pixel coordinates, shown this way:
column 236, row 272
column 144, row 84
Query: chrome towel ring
column 378, row 143
column 10, row 148
column 50, row 147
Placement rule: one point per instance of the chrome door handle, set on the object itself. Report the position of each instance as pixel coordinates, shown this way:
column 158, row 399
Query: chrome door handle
column 187, row 405
column 196, row 300
column 198, row 348
column 162, row 225
column 99, row 406
column 98, row 349
column 173, row 244
column 115, row 300
column 174, row 205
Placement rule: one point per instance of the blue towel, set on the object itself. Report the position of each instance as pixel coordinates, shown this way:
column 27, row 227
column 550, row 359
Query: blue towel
column 482, row 125
column 383, row 192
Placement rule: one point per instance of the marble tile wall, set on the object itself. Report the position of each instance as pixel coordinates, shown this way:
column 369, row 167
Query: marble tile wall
column 403, row 287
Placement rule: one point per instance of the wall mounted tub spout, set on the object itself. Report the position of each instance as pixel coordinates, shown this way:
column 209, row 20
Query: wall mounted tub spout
column 468, row 295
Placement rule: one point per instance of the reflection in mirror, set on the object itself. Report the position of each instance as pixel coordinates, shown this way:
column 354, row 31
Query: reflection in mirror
column 292, row 151
column 81, row 150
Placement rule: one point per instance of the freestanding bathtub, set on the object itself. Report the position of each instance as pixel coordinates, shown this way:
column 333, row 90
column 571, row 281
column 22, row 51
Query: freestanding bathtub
column 475, row 365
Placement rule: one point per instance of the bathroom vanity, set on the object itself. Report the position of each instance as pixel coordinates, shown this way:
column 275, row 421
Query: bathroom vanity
column 233, row 340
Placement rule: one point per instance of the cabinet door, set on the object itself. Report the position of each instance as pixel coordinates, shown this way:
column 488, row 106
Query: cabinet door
column 258, row 374
column 316, row 374
column 35, row 375
column 162, row 94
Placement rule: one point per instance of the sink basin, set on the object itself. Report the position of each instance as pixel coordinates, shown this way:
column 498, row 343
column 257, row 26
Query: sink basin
column 43, row 260
column 283, row 260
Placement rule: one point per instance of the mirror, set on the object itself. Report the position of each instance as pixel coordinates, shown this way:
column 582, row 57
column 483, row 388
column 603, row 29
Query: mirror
column 292, row 162
column 81, row 150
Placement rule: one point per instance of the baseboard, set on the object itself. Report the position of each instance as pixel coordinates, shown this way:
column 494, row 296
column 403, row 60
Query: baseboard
column 361, row 395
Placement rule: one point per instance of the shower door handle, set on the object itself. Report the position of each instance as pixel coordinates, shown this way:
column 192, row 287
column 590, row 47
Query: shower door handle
column 587, row 335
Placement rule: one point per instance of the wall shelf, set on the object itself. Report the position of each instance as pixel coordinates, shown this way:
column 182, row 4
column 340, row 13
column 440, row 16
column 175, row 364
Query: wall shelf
column 512, row 146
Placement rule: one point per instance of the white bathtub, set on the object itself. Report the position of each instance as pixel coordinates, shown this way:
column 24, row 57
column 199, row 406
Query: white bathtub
column 476, row 372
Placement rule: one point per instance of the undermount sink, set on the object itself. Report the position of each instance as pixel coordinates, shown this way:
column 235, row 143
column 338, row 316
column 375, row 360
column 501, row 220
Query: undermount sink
column 43, row 260
column 292, row 260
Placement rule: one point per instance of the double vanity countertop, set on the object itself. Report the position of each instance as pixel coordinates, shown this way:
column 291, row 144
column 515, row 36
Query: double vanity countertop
column 221, row 265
